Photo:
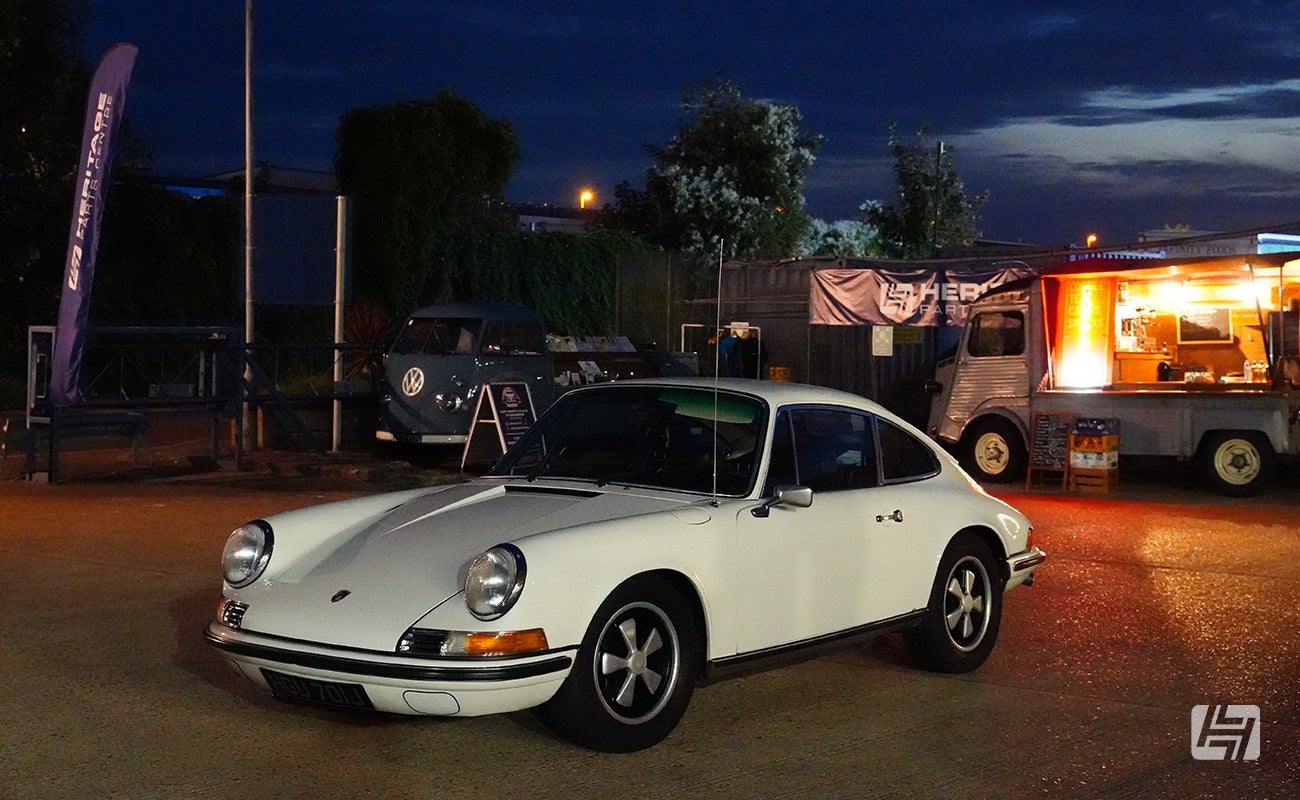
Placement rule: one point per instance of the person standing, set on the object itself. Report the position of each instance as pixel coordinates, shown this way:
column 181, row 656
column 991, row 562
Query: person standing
column 728, row 365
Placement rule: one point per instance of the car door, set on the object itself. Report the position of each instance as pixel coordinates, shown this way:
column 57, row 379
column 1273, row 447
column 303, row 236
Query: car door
column 845, row 561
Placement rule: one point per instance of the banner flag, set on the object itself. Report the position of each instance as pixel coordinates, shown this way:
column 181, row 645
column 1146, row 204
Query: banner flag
column 103, row 115
column 926, row 296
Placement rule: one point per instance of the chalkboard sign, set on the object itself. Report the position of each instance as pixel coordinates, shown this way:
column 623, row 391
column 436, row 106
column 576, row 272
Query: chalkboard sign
column 1205, row 326
column 1049, row 444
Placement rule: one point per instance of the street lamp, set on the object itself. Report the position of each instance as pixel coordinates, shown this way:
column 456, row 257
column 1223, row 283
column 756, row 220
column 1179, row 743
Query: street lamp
column 585, row 197
column 1092, row 239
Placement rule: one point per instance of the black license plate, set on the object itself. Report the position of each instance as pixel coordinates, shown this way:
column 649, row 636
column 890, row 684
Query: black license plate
column 320, row 693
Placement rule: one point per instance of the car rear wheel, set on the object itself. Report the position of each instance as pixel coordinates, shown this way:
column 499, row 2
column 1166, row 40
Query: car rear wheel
column 634, row 674
column 1238, row 463
column 994, row 452
column 965, row 610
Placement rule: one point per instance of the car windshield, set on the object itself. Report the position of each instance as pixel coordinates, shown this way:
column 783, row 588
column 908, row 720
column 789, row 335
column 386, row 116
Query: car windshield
column 667, row 437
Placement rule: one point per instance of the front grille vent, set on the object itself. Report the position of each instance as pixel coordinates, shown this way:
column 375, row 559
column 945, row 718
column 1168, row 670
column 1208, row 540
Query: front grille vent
column 232, row 613
column 421, row 642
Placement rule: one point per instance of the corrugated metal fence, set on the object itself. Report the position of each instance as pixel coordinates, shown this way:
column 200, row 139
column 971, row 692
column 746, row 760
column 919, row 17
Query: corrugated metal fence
column 772, row 296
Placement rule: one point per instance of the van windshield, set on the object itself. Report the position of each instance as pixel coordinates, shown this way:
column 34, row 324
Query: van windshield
column 442, row 336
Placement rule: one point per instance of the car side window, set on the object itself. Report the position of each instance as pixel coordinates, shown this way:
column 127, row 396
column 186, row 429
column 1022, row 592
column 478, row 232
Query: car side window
column 902, row 456
column 997, row 333
column 835, row 449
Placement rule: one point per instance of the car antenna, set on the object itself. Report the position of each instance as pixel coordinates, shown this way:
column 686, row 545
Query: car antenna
column 717, row 365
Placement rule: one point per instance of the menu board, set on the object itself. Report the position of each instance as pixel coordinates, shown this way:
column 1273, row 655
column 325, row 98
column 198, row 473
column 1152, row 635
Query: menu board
column 1205, row 326
column 1049, row 441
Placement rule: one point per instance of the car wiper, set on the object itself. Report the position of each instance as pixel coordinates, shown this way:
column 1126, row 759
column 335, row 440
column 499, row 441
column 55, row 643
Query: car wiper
column 540, row 470
column 537, row 471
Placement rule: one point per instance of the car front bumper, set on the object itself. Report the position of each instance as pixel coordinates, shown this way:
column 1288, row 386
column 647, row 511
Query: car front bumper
column 324, row 675
column 1020, row 566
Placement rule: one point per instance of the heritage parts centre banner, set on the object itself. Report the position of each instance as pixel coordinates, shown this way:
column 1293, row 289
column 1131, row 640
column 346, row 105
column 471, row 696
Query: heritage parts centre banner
column 937, row 296
column 103, row 115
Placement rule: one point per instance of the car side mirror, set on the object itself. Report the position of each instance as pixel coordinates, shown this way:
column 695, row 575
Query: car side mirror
column 797, row 496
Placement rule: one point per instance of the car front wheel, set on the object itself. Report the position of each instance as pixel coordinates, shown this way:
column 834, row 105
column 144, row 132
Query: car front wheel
column 965, row 611
column 634, row 674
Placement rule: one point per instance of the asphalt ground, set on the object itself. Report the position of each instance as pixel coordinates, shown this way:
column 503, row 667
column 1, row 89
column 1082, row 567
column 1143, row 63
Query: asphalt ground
column 1157, row 597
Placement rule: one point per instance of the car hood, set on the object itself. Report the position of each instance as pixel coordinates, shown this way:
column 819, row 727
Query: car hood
column 364, row 589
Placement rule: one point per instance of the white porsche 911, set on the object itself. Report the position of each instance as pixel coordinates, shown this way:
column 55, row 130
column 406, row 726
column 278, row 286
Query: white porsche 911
column 641, row 537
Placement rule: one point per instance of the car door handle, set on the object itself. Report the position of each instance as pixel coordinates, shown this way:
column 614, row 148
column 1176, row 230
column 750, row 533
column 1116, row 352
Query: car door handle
column 897, row 516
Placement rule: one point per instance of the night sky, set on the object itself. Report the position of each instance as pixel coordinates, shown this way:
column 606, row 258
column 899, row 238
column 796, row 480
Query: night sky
column 1106, row 117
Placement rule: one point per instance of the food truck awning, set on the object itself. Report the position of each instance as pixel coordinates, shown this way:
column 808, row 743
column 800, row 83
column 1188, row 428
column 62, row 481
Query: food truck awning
column 1220, row 268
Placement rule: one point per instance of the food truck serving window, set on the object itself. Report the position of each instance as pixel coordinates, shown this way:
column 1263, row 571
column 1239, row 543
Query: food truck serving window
column 997, row 333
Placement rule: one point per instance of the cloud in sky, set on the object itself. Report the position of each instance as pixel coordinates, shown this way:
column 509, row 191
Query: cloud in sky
column 1108, row 114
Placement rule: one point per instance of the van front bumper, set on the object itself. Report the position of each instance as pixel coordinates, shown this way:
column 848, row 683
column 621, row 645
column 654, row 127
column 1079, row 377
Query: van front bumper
column 420, row 438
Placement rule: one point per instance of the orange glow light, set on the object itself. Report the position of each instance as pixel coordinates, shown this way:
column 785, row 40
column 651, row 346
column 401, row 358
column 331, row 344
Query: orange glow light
column 1086, row 327
column 586, row 197
column 1092, row 239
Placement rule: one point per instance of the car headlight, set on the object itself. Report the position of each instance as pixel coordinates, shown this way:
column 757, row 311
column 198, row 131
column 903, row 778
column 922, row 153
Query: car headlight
column 449, row 402
column 247, row 551
column 494, row 581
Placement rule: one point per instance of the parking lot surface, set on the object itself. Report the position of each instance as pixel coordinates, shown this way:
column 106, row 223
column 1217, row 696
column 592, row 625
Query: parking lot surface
column 1157, row 598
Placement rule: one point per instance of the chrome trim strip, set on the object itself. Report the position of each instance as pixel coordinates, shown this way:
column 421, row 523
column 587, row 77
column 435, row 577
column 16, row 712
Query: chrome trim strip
column 745, row 663
column 413, row 672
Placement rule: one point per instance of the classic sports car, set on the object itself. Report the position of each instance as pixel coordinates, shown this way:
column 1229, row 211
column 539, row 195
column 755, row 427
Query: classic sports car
column 642, row 536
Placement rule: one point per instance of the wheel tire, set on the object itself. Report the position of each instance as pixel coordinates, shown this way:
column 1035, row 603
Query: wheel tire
column 1238, row 463
column 634, row 672
column 965, row 610
column 994, row 452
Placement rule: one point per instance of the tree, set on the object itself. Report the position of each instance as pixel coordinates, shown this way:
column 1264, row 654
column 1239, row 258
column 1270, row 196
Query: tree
column 845, row 237
column 168, row 258
column 45, row 84
column 933, row 210
column 730, row 181
column 424, row 176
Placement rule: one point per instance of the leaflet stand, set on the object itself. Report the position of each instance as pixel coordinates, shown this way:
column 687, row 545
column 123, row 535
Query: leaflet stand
column 502, row 413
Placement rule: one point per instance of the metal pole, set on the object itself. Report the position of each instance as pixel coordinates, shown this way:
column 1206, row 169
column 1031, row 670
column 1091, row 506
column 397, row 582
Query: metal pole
column 248, row 206
column 340, row 282
column 938, row 199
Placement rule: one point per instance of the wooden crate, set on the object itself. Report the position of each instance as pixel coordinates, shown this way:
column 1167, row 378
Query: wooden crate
column 1091, row 443
column 1093, row 480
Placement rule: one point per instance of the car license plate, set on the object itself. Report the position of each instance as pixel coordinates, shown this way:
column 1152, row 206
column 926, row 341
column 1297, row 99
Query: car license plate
column 310, row 690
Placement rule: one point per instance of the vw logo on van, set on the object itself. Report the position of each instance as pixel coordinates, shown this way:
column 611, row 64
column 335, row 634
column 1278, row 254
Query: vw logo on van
column 412, row 381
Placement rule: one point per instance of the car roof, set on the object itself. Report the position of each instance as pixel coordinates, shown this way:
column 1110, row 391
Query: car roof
column 506, row 311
